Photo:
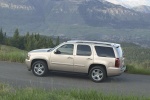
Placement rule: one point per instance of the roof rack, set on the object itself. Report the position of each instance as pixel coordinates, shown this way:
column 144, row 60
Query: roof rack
column 94, row 42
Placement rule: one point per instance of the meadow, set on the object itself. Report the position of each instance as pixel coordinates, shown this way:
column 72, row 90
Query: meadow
column 12, row 54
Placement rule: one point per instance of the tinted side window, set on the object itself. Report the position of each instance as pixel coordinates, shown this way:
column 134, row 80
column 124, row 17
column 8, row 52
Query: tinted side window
column 83, row 50
column 66, row 49
column 104, row 51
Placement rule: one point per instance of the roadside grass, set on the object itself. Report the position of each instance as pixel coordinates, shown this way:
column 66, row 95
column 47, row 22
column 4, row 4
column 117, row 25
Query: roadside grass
column 12, row 54
column 8, row 93
column 137, row 58
column 138, row 70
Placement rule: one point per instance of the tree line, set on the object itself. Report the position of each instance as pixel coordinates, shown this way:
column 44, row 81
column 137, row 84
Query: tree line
column 136, row 55
column 27, row 42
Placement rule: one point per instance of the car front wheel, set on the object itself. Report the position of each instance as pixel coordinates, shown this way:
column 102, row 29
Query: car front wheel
column 39, row 68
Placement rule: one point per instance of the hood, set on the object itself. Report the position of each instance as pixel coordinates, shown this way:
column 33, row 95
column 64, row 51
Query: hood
column 42, row 50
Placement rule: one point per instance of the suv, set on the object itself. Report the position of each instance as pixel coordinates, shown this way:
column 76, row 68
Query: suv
column 97, row 59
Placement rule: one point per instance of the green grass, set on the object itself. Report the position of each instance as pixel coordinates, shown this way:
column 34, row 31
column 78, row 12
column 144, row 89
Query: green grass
column 12, row 54
column 8, row 93
column 137, row 70
column 137, row 59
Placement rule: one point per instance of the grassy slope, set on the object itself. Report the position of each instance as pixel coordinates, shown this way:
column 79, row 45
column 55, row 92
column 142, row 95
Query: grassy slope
column 9, row 93
column 12, row 54
column 137, row 59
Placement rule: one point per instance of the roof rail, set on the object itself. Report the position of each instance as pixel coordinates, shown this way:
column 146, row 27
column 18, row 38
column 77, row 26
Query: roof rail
column 94, row 42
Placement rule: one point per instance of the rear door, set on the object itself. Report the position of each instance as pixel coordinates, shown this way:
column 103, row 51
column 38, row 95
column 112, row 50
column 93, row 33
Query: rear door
column 105, row 55
column 83, row 58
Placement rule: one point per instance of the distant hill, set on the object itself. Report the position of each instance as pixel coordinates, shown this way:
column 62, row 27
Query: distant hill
column 103, row 13
column 38, row 15
column 76, row 19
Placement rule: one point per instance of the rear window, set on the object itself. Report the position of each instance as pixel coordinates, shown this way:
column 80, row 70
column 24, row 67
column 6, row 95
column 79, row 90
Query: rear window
column 104, row 51
column 119, row 51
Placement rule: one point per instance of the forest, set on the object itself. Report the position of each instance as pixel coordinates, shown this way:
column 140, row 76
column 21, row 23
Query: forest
column 27, row 42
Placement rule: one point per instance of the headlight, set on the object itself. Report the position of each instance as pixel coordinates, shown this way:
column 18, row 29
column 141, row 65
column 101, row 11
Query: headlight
column 28, row 56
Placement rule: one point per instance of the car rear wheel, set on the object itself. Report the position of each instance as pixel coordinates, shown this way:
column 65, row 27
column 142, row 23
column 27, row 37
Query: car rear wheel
column 39, row 68
column 97, row 74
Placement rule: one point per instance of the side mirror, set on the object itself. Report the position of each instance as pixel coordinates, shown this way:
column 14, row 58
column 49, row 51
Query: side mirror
column 57, row 52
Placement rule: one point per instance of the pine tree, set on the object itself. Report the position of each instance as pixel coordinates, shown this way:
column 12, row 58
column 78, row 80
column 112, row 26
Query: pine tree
column 21, row 42
column 57, row 41
column 15, row 39
column 26, row 41
column 50, row 43
column 4, row 38
column 1, row 36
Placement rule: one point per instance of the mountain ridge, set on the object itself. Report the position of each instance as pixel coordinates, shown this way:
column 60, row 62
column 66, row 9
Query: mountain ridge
column 142, row 9
column 28, row 15
column 130, row 3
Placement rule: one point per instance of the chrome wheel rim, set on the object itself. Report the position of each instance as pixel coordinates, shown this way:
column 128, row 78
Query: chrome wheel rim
column 97, row 75
column 39, row 69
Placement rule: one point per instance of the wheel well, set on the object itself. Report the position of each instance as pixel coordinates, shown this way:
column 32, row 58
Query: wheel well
column 38, row 60
column 100, row 65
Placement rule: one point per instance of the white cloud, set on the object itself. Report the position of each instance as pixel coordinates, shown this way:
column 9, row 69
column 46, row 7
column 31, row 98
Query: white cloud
column 130, row 3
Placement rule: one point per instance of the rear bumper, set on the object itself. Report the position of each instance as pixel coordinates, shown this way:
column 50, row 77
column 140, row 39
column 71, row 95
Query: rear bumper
column 112, row 71
column 28, row 63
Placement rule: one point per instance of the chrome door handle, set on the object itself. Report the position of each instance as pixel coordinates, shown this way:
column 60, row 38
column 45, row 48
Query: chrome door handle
column 70, row 58
column 89, row 59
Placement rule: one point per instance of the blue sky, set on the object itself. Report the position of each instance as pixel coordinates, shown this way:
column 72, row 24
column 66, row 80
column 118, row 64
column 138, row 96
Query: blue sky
column 130, row 3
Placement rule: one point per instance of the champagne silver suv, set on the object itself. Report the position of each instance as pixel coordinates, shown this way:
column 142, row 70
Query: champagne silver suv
column 97, row 59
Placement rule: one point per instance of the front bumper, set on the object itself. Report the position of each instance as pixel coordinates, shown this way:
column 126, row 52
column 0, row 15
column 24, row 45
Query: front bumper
column 28, row 63
column 123, row 69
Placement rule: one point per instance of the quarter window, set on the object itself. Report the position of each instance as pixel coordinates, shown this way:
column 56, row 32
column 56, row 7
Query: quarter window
column 83, row 50
column 104, row 51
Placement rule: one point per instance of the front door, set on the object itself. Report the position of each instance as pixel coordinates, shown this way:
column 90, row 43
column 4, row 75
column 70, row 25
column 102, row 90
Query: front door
column 62, row 59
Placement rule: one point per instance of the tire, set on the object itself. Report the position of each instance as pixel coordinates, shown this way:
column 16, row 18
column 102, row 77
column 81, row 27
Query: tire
column 39, row 68
column 97, row 74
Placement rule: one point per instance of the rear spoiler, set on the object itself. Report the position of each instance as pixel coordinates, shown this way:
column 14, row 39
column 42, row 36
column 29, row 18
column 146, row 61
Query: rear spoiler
column 117, row 45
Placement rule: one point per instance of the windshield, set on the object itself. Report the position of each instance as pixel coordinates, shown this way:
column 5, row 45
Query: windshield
column 54, row 47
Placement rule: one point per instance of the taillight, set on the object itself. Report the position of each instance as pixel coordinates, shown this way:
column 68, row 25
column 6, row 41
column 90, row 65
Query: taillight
column 117, row 62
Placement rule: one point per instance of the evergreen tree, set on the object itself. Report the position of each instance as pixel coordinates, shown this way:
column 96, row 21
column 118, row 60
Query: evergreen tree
column 50, row 43
column 4, row 38
column 57, row 41
column 15, row 39
column 41, row 42
column 1, row 36
column 26, row 41
column 37, row 36
column 34, row 42
column 21, row 42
